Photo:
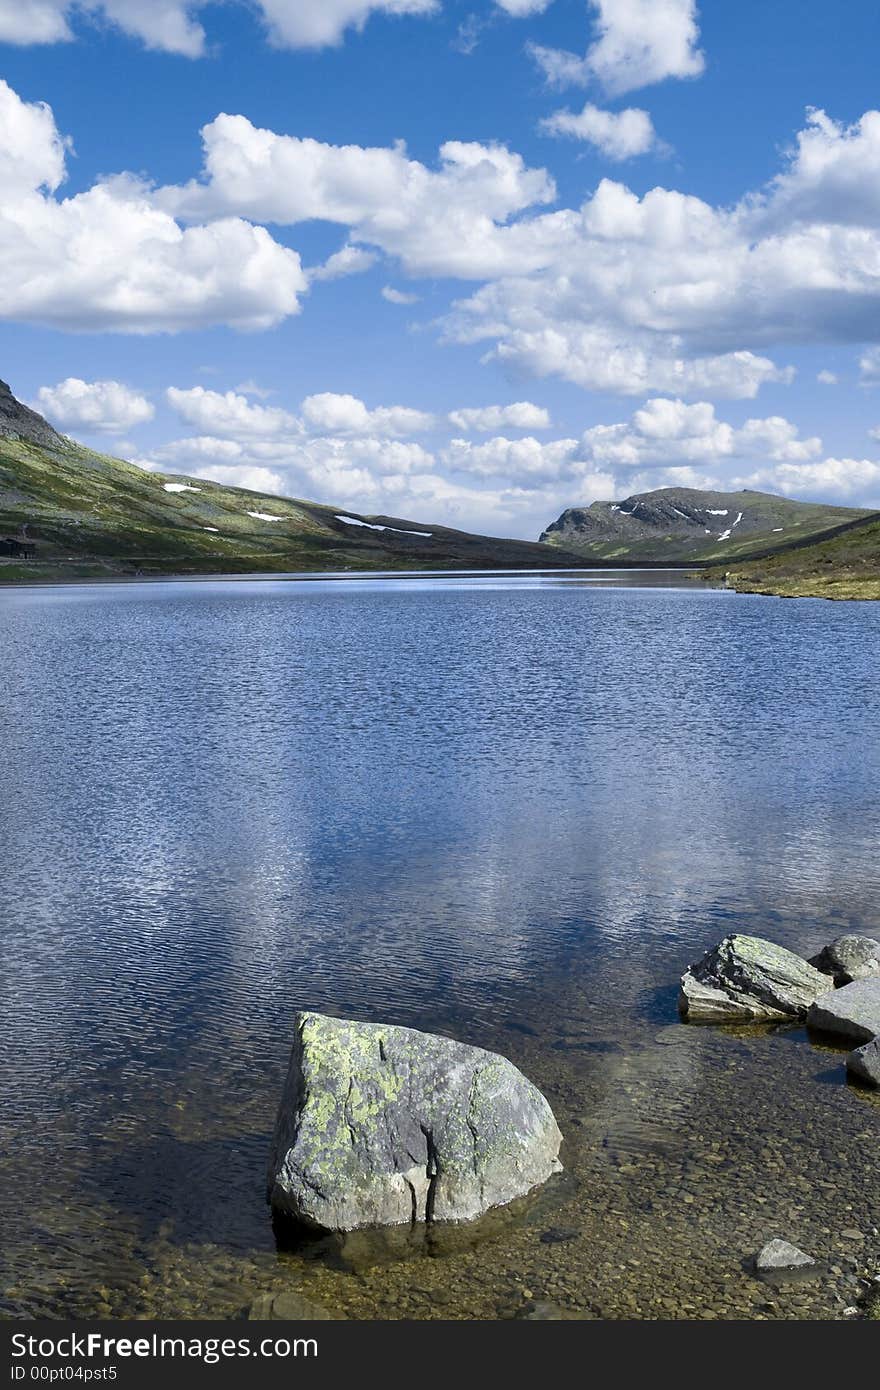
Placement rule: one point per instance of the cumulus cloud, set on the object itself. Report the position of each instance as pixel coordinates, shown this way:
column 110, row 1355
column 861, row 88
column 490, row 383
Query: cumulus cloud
column 659, row 293
column 826, row 378
column 667, row 292
column 331, row 413
column 105, row 407
column 526, row 461
column 833, row 174
column 229, row 414
column 663, row 293
column 638, row 43
column 110, row 259
column 671, row 432
column 442, row 221
column 171, row 26
column 618, row 134
column 840, row 479
column 521, row 415
column 32, row 152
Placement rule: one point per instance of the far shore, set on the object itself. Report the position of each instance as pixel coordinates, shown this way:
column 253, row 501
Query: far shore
column 291, row 576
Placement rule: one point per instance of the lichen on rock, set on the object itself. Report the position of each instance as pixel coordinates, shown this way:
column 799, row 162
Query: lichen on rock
column 382, row 1125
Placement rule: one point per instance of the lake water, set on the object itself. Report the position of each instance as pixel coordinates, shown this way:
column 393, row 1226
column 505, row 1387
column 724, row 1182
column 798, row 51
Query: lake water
column 508, row 808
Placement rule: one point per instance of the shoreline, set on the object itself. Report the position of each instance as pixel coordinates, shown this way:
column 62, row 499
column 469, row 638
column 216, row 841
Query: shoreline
column 321, row 576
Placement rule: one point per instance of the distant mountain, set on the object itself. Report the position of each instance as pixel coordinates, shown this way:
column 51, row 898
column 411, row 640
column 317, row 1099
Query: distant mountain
column 846, row 566
column 687, row 525
column 67, row 512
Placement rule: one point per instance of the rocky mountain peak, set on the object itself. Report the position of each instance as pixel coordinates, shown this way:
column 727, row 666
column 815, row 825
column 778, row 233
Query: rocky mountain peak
column 18, row 421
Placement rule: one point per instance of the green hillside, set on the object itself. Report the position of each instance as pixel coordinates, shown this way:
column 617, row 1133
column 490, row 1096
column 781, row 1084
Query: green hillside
column 66, row 512
column 845, row 567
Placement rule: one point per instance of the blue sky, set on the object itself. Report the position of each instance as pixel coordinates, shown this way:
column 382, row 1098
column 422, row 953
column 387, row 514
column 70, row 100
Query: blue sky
column 465, row 261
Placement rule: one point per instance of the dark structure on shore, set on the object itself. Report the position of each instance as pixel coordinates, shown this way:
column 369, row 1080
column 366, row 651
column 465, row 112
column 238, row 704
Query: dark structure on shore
column 21, row 549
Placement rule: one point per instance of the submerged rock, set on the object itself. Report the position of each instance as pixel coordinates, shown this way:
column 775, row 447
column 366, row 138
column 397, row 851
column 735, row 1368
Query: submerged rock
column 382, row 1126
column 289, row 1306
column 780, row 1254
column 849, row 958
column 546, row 1310
column 746, row 977
column 852, row 1012
column 864, row 1063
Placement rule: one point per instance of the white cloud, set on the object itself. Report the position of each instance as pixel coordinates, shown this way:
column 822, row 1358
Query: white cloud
column 163, row 24
column 229, row 415
column 833, row 174
column 663, row 293
column 198, row 448
column 524, row 462
column 109, row 259
column 669, row 432
column 351, row 260
column 639, row 42
column 319, row 23
column 521, row 415
column 171, row 26
column 618, row 134
column 826, row 378
column 106, row 407
column 839, row 479
column 32, row 152
column 394, row 296
column 331, row 413
column 869, row 367
column 34, row 21
column 521, row 9
column 253, row 388
column 441, row 221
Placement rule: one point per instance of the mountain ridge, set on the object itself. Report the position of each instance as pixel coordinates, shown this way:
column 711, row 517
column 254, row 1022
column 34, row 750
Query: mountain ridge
column 692, row 525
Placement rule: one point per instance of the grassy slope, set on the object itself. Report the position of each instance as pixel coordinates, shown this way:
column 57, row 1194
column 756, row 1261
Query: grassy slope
column 844, row 567
column 93, row 516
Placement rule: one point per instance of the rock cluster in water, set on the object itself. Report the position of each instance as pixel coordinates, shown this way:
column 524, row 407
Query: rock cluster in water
column 383, row 1126
column 745, row 977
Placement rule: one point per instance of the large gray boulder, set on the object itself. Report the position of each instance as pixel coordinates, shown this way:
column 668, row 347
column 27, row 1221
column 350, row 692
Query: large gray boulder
column 849, row 958
column 852, row 1012
column 746, row 977
column 382, row 1126
column 864, row 1063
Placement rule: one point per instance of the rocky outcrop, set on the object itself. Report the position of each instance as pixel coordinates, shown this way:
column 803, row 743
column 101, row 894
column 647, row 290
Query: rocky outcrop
column 849, row 958
column 380, row 1125
column 864, row 1063
column 18, row 421
column 852, row 1012
column 746, row 977
column 780, row 1254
